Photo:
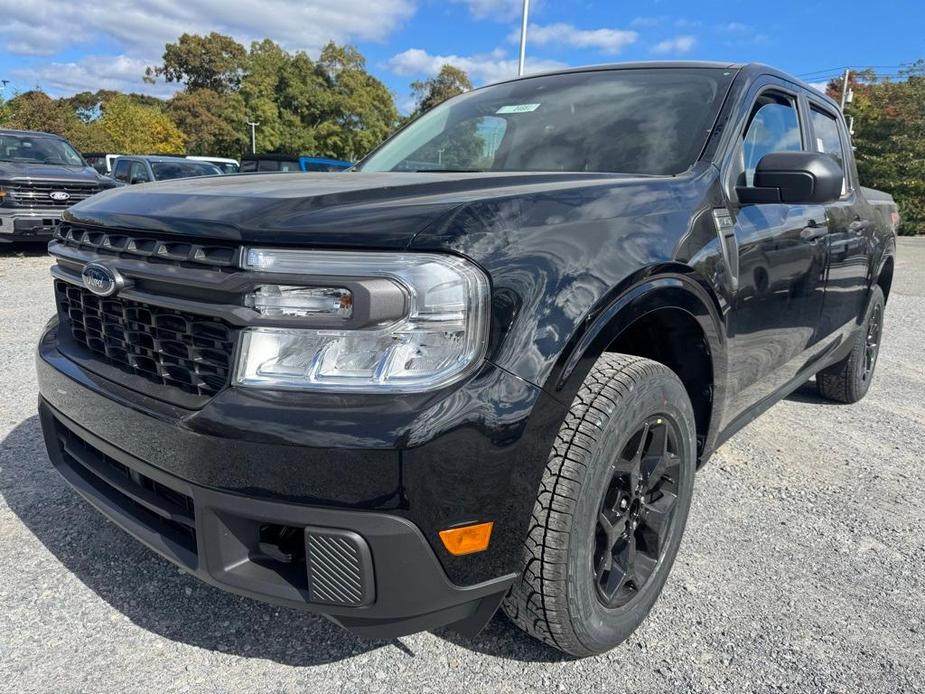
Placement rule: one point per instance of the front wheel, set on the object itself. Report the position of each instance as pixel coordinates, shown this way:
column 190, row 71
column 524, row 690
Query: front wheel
column 611, row 508
column 849, row 380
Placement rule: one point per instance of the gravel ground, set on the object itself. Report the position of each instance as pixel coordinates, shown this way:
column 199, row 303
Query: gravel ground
column 803, row 567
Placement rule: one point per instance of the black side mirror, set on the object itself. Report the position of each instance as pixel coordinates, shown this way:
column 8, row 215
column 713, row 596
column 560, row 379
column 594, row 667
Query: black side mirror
column 136, row 180
column 795, row 178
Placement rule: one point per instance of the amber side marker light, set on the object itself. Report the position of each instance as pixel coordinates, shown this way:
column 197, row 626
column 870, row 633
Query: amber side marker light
column 467, row 539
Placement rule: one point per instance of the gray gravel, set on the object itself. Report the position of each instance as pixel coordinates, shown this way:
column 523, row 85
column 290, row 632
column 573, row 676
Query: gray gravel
column 803, row 567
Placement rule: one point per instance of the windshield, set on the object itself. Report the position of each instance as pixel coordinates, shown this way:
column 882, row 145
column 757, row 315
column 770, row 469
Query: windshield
column 165, row 170
column 646, row 121
column 36, row 149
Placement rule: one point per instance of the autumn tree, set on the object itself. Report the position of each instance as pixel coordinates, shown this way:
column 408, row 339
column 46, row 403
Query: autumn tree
column 137, row 129
column 213, row 122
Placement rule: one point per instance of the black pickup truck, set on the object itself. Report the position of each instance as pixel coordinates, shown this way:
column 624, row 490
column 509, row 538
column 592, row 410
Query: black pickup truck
column 41, row 175
column 481, row 369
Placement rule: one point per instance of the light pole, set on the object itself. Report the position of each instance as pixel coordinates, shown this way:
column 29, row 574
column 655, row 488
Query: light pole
column 253, row 136
column 523, row 39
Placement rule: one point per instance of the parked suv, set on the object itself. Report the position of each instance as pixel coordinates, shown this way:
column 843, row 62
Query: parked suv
column 133, row 169
column 402, row 398
column 41, row 175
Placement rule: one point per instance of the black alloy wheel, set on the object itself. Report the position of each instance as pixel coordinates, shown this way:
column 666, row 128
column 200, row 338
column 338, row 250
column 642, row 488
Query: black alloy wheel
column 636, row 512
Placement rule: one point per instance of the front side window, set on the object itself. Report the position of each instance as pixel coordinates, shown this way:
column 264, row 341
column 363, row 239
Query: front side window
column 139, row 173
column 774, row 127
column 645, row 121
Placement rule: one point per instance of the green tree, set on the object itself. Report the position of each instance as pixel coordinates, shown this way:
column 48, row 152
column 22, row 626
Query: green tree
column 35, row 110
column 449, row 82
column 214, row 62
column 213, row 123
column 889, row 139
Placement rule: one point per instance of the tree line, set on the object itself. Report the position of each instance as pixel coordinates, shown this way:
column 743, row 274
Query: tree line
column 889, row 137
column 330, row 106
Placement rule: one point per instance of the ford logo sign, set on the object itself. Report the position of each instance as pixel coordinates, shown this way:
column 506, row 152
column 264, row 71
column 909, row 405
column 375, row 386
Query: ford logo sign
column 101, row 280
column 59, row 195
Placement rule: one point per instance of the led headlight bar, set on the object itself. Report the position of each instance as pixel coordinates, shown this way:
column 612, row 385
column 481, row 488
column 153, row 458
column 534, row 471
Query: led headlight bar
column 442, row 333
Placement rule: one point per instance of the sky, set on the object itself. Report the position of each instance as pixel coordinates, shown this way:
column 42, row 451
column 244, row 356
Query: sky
column 67, row 46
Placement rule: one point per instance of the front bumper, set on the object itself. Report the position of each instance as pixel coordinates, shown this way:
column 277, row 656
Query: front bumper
column 21, row 224
column 382, row 474
column 372, row 573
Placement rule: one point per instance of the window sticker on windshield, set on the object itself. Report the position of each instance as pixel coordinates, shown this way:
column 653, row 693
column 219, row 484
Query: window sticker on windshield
column 518, row 108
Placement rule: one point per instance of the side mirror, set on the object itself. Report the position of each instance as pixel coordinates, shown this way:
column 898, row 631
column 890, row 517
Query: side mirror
column 136, row 180
column 794, row 177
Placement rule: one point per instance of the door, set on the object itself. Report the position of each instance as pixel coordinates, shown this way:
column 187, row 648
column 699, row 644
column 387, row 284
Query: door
column 851, row 227
column 782, row 252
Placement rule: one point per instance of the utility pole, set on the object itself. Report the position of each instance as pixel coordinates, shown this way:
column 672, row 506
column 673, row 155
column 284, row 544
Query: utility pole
column 253, row 136
column 844, row 88
column 523, row 39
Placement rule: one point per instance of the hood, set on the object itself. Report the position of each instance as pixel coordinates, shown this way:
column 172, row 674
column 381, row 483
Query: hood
column 12, row 171
column 384, row 210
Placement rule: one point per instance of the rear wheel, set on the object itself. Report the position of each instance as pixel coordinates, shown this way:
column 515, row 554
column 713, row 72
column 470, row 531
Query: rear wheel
column 611, row 508
column 849, row 380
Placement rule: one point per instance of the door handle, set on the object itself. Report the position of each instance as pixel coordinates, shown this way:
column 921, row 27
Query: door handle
column 858, row 225
column 813, row 231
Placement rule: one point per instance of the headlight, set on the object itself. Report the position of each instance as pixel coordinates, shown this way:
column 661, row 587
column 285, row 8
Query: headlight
column 373, row 322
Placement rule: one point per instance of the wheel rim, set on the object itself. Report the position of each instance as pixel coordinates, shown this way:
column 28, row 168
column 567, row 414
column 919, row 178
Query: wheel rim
column 872, row 341
column 637, row 511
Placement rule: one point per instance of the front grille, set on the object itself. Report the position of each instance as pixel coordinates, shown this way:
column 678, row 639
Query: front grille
column 167, row 347
column 40, row 194
column 133, row 244
column 163, row 510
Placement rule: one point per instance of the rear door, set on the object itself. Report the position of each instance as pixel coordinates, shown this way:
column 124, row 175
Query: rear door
column 851, row 228
column 781, row 254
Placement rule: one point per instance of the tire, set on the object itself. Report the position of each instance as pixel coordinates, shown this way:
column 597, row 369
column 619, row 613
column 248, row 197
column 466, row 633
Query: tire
column 588, row 494
column 848, row 380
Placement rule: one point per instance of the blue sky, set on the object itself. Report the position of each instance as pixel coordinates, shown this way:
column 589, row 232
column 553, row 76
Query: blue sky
column 66, row 46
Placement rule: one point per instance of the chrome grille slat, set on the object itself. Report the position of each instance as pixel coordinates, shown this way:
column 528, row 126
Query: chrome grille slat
column 39, row 194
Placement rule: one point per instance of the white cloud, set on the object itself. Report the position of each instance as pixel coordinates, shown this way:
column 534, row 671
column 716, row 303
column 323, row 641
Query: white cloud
column 647, row 22
column 140, row 28
column 499, row 10
column 482, row 68
column 604, row 40
column 122, row 73
column 734, row 28
column 819, row 86
column 677, row 45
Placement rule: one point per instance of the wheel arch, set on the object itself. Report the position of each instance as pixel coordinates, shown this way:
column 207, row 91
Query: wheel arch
column 676, row 303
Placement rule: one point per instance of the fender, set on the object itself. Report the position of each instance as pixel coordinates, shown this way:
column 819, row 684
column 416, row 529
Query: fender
column 675, row 290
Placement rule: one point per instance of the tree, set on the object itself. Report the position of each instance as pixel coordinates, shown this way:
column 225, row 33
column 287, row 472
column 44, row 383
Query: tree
column 213, row 123
column 137, row 129
column 214, row 62
column 449, row 82
column 35, row 110
column 889, row 138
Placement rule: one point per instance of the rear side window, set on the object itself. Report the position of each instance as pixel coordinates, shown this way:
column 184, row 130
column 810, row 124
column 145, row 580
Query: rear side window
column 248, row 166
column 774, row 127
column 267, row 165
column 828, row 139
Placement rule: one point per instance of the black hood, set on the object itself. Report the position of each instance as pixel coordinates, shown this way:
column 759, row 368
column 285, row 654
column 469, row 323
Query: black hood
column 382, row 210
column 14, row 171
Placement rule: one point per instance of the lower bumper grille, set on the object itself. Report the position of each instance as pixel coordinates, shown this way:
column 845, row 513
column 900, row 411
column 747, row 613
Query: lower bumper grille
column 168, row 347
column 163, row 510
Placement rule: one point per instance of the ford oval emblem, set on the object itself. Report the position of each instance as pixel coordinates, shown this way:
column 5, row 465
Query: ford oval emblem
column 59, row 195
column 101, row 280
